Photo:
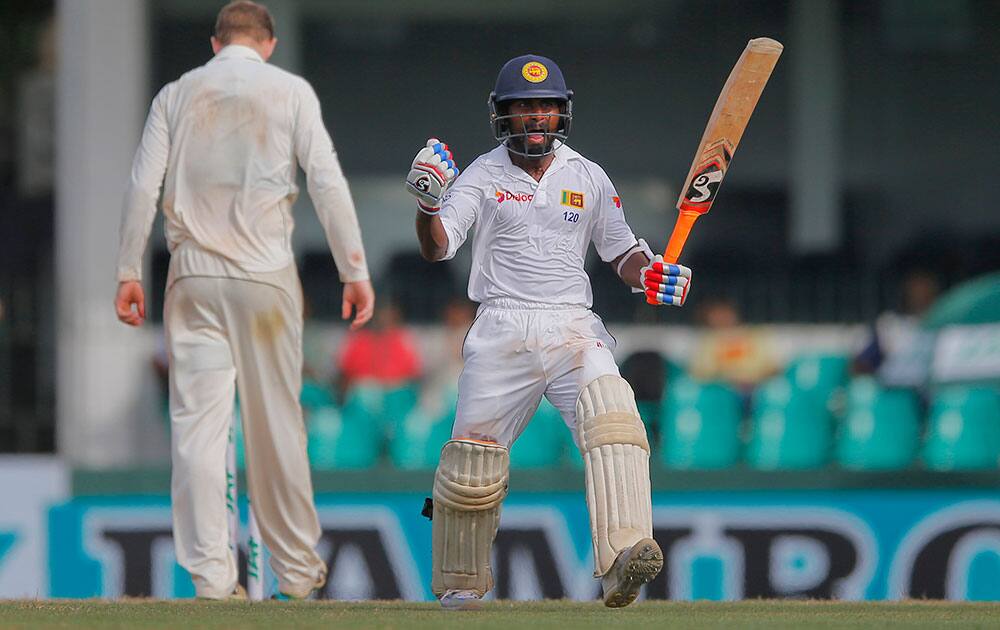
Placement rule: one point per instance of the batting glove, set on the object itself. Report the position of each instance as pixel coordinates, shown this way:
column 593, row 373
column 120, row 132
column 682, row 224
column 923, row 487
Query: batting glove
column 431, row 173
column 665, row 283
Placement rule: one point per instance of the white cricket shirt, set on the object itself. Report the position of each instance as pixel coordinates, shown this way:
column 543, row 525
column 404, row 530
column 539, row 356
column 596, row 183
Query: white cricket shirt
column 531, row 238
column 228, row 136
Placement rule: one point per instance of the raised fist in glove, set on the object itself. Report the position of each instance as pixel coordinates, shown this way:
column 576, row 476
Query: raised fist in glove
column 431, row 173
column 665, row 283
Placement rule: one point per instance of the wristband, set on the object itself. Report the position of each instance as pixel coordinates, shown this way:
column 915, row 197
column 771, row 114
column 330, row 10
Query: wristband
column 429, row 210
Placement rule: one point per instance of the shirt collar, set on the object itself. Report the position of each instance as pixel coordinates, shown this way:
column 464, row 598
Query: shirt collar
column 236, row 51
column 561, row 154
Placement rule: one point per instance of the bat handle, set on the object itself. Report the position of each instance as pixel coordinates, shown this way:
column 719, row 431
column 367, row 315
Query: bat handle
column 685, row 221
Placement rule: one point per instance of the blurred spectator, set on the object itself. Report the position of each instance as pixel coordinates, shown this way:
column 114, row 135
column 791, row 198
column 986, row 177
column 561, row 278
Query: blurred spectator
column 893, row 332
column 384, row 353
column 315, row 355
column 728, row 350
column 444, row 363
column 646, row 372
column 317, row 386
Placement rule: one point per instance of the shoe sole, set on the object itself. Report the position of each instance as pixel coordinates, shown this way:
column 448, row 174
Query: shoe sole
column 643, row 562
column 462, row 604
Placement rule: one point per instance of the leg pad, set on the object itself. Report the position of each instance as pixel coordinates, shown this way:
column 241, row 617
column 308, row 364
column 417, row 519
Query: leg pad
column 469, row 486
column 616, row 458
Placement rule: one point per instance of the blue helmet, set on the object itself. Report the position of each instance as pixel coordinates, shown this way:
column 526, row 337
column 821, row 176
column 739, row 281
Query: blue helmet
column 529, row 76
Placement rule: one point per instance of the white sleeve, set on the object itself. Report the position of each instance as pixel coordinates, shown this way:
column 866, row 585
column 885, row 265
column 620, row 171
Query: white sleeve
column 459, row 210
column 148, row 168
column 328, row 188
column 611, row 234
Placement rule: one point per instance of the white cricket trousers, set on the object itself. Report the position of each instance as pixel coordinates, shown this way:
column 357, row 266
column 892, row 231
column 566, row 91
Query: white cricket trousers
column 515, row 353
column 225, row 334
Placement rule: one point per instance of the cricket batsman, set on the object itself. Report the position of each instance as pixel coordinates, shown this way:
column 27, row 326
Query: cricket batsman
column 537, row 205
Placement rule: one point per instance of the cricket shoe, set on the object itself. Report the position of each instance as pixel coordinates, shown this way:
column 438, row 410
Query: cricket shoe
column 304, row 593
column 239, row 594
column 461, row 599
column 633, row 567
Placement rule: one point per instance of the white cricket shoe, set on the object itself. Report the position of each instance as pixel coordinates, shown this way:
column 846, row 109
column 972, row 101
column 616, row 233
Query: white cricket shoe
column 633, row 567
column 461, row 599
column 239, row 594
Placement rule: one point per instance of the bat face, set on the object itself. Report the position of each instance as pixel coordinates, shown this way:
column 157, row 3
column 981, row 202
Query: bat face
column 707, row 177
column 722, row 135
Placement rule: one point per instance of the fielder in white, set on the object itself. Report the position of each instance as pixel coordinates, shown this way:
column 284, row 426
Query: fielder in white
column 225, row 140
column 536, row 205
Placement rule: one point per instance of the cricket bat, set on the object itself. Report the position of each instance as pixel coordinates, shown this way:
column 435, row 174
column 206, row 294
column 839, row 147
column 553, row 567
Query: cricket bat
column 722, row 135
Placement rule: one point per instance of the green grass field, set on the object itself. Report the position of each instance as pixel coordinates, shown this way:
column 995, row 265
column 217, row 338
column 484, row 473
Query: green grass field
column 562, row 615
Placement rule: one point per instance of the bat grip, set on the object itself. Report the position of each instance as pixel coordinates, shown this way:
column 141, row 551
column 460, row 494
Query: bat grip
column 685, row 220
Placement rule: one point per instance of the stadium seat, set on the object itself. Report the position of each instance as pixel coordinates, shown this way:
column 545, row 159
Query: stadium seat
column 543, row 442
column 819, row 374
column 701, row 425
column 790, row 428
column 417, row 442
column 964, row 429
column 385, row 407
column 337, row 441
column 397, row 403
column 881, row 429
column 315, row 395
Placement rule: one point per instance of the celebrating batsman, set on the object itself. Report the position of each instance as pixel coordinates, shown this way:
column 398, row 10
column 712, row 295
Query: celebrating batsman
column 536, row 205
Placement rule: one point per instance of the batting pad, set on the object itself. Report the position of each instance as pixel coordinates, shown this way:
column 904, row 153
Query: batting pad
column 469, row 486
column 616, row 457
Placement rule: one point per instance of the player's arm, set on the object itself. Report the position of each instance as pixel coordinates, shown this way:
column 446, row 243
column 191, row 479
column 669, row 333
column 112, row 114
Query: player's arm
column 637, row 266
column 662, row 283
column 629, row 264
column 139, row 210
column 431, row 174
column 432, row 236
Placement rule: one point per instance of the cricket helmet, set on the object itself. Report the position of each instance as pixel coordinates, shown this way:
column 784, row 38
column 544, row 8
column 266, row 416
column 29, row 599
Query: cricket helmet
column 524, row 77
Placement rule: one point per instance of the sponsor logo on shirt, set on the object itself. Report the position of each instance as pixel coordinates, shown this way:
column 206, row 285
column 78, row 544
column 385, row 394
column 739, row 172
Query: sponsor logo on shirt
column 506, row 195
column 572, row 199
column 617, row 201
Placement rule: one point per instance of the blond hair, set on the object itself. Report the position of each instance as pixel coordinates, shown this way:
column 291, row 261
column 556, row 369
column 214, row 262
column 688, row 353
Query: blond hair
column 246, row 18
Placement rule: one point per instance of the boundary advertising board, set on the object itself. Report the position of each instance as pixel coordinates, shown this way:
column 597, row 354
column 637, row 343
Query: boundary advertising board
column 844, row 544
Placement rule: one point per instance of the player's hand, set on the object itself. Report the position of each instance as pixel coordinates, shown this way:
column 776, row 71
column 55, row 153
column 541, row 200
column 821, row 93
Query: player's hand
column 361, row 297
column 665, row 283
column 130, row 294
column 431, row 173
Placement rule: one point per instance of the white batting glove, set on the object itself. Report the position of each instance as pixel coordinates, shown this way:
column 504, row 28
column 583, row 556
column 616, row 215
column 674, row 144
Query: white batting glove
column 665, row 283
column 431, row 173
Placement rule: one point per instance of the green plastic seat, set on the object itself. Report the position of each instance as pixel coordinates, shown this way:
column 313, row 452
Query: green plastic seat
column 315, row 395
column 337, row 441
column 364, row 400
column 416, row 445
column 397, row 403
column 964, row 429
column 881, row 429
column 542, row 443
column 649, row 411
column 386, row 407
column 790, row 428
column 701, row 426
column 819, row 374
